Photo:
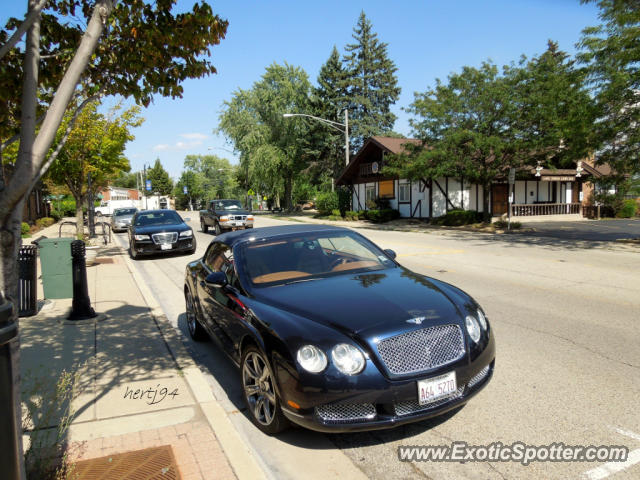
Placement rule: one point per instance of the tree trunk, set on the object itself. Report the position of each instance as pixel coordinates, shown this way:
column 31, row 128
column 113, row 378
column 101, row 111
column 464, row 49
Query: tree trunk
column 79, row 217
column 486, row 195
column 288, row 181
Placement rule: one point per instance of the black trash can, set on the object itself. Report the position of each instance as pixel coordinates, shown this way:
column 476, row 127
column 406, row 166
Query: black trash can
column 27, row 281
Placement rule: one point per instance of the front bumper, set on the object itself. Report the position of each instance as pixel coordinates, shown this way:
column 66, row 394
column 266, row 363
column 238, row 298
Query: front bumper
column 375, row 402
column 150, row 248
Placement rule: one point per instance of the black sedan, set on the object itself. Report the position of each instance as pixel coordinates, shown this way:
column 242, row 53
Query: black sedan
column 331, row 333
column 159, row 231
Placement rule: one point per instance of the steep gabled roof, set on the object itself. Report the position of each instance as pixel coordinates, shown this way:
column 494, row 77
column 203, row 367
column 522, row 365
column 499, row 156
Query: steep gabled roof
column 386, row 144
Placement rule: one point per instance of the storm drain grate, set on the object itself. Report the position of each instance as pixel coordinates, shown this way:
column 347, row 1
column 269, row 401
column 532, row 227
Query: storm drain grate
column 156, row 463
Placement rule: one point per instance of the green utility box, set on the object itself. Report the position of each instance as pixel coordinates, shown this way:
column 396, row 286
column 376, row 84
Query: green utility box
column 55, row 261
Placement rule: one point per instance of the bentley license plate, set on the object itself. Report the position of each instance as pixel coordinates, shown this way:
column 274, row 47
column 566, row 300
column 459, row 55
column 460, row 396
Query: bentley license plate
column 435, row 388
column 165, row 246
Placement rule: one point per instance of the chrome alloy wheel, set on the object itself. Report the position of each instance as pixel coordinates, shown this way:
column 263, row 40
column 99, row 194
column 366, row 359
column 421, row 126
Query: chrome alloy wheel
column 191, row 314
column 258, row 388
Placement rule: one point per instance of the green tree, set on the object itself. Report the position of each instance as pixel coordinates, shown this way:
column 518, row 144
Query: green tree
column 127, row 180
column 611, row 55
column 195, row 193
column 275, row 147
column 329, row 101
column 371, row 84
column 94, row 147
column 161, row 183
column 217, row 177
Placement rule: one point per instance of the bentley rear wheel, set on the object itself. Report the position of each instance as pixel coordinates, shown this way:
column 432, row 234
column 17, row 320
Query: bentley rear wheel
column 259, row 392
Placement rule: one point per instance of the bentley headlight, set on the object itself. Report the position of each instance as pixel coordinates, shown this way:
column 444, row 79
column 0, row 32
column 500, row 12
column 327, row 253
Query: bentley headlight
column 348, row 359
column 312, row 359
column 473, row 328
column 187, row 233
column 142, row 237
column 482, row 319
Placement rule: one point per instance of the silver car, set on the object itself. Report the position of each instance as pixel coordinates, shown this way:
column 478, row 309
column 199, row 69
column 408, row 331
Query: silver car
column 121, row 218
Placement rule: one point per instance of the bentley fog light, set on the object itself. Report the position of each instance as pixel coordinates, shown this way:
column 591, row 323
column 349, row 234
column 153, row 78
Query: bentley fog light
column 312, row 359
column 348, row 359
column 482, row 319
column 473, row 328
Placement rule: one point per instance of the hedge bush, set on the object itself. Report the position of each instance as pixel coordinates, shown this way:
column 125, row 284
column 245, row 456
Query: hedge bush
column 458, row 217
column 25, row 228
column 344, row 200
column 382, row 216
column 628, row 209
column 326, row 202
column 45, row 222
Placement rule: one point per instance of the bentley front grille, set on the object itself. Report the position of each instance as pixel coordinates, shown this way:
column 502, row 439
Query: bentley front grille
column 479, row 377
column 166, row 237
column 412, row 406
column 422, row 350
column 346, row 412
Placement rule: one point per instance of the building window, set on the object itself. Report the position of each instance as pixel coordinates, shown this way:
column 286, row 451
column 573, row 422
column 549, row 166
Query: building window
column 370, row 196
column 366, row 169
column 385, row 189
column 404, row 194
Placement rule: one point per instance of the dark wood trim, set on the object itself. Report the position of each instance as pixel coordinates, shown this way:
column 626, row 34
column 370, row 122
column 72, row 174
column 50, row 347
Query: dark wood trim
column 462, row 192
column 419, row 204
column 446, row 189
column 477, row 206
column 430, row 199
column 537, row 191
column 358, row 196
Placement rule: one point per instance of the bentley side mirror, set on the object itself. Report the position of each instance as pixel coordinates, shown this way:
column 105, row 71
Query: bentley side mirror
column 390, row 253
column 216, row 279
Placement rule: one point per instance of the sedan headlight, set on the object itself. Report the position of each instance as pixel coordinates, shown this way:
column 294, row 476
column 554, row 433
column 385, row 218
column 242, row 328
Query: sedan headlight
column 482, row 319
column 312, row 359
column 187, row 233
column 348, row 358
column 142, row 237
column 473, row 328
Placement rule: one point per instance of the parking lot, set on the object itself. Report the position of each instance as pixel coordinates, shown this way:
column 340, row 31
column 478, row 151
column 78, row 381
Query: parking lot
column 564, row 312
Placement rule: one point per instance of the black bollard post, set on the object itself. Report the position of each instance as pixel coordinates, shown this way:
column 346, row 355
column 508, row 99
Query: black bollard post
column 81, row 306
column 10, row 431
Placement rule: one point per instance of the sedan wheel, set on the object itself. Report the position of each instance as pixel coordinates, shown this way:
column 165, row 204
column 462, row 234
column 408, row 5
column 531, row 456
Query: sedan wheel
column 132, row 251
column 259, row 393
column 196, row 331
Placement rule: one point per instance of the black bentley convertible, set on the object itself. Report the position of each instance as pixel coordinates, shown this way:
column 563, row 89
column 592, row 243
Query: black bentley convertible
column 331, row 333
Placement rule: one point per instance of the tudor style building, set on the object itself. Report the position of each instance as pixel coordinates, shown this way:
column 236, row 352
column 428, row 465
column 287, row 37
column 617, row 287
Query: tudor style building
column 537, row 191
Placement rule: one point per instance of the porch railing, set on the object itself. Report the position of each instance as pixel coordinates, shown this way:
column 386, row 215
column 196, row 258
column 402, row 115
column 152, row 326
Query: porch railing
column 532, row 209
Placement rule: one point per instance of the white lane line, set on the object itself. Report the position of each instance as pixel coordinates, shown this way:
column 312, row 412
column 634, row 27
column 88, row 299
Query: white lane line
column 610, row 468
column 627, row 433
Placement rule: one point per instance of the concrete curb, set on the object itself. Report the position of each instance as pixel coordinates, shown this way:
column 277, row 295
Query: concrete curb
column 242, row 460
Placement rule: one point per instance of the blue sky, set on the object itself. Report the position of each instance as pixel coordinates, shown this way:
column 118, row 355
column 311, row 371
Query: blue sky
column 426, row 39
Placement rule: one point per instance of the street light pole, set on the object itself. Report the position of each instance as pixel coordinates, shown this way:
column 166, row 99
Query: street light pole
column 336, row 125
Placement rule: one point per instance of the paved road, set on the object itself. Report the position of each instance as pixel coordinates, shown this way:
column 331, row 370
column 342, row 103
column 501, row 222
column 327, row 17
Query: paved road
column 565, row 314
column 607, row 230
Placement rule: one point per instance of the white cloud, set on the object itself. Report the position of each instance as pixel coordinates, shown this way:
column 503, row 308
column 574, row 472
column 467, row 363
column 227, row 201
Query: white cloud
column 194, row 136
column 161, row 147
column 186, row 145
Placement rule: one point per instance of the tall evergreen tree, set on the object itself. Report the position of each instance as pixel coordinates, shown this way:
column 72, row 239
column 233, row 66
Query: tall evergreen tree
column 328, row 102
column 161, row 183
column 371, row 84
column 611, row 53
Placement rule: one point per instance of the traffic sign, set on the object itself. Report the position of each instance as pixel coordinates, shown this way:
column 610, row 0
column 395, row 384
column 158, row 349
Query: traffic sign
column 251, row 192
column 148, row 185
column 184, row 189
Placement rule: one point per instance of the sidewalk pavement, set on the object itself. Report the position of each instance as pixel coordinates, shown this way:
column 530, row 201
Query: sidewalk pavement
column 138, row 386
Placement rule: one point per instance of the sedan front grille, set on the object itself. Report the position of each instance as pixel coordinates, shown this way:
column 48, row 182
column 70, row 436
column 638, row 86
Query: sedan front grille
column 413, row 406
column 164, row 238
column 346, row 412
column 422, row 350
